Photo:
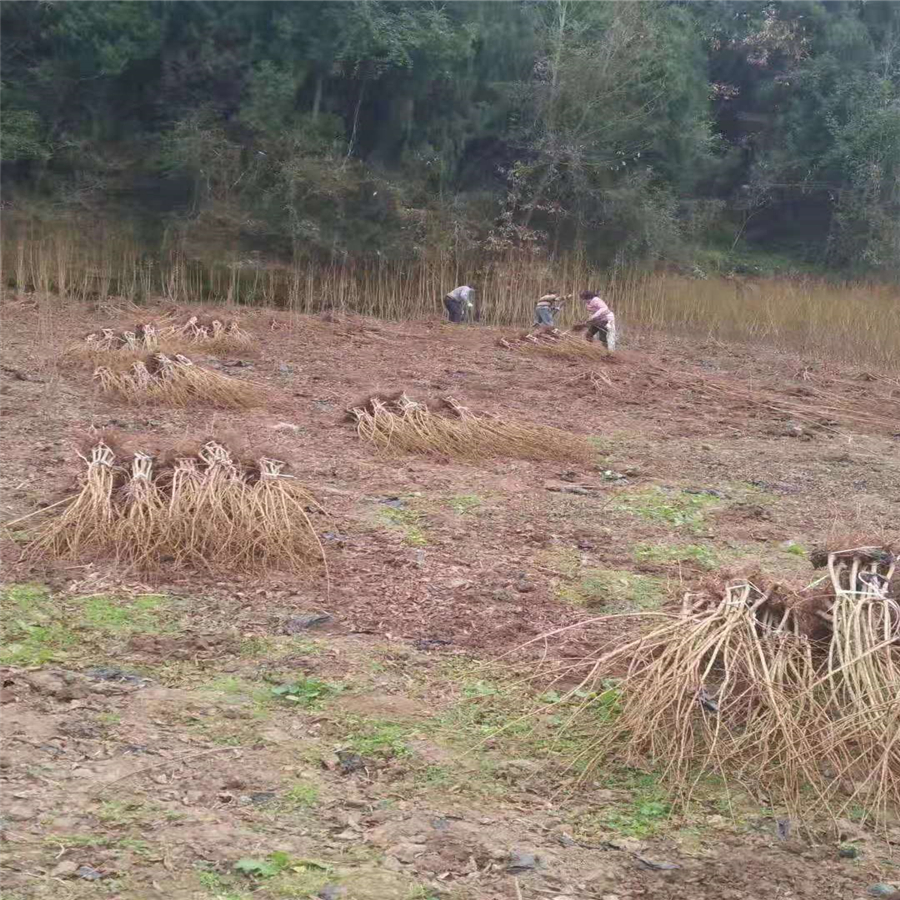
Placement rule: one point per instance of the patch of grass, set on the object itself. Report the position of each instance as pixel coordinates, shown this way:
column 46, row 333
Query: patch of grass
column 859, row 814
column 231, row 684
column 253, row 647
column 487, row 710
column 437, row 776
column 284, row 875
column 464, row 504
column 295, row 885
column 408, row 522
column 665, row 554
column 423, row 892
column 615, row 590
column 645, row 815
column 642, row 819
column 32, row 630
column 308, row 693
column 562, row 560
column 135, row 845
column 121, row 813
column 603, row 705
column 301, row 796
column 257, row 700
column 38, row 628
column 481, row 688
column 677, row 509
column 82, row 840
column 101, row 612
column 109, row 718
column 222, row 887
column 377, row 738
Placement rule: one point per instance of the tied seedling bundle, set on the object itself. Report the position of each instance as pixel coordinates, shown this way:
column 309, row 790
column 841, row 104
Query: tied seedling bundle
column 210, row 335
column 796, row 693
column 176, row 381
column 400, row 424
column 559, row 344
column 208, row 509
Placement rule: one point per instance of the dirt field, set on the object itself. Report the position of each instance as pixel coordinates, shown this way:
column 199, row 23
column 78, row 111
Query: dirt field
column 208, row 735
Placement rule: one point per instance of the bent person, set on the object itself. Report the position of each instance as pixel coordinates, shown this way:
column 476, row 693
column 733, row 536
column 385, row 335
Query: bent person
column 547, row 307
column 459, row 303
column 601, row 323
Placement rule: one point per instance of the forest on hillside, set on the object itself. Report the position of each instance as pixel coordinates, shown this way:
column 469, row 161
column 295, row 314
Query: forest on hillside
column 706, row 136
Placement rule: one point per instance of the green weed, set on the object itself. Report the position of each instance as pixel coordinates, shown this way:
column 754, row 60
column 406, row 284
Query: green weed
column 38, row 628
column 642, row 819
column 677, row 509
column 463, row 504
column 602, row 705
column 301, row 796
column 307, row 882
column 615, row 590
column 421, row 892
column 481, row 689
column 139, row 614
column 306, row 692
column 302, row 877
column 82, row 840
column 701, row 554
column 644, row 816
column 231, row 684
column 220, row 886
column 256, row 646
column 120, row 813
column 563, row 561
column 32, row 631
column 377, row 738
column 408, row 522
column 135, row 845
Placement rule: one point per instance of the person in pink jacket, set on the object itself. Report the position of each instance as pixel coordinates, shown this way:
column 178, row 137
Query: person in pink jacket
column 601, row 322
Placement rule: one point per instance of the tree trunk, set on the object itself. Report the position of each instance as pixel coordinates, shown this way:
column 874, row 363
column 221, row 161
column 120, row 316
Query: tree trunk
column 362, row 90
column 317, row 98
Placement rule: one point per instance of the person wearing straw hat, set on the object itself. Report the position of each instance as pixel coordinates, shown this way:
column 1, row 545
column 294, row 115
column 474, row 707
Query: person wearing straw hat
column 547, row 307
column 601, row 323
column 460, row 303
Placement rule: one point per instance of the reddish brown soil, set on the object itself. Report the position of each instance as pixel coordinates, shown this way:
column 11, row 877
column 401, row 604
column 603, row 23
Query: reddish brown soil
column 793, row 448
column 700, row 417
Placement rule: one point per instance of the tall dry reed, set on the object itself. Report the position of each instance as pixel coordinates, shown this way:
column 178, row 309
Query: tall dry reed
column 854, row 321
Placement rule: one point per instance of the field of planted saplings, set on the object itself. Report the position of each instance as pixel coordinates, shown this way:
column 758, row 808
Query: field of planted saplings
column 327, row 606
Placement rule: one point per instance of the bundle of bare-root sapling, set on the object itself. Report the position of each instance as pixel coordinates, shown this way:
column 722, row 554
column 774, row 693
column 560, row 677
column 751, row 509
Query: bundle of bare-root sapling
column 210, row 335
column 797, row 692
column 208, row 509
column 176, row 381
column 398, row 424
column 548, row 341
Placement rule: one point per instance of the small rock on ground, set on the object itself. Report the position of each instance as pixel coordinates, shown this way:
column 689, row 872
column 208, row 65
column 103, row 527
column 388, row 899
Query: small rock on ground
column 305, row 621
column 520, row 861
column 88, row 873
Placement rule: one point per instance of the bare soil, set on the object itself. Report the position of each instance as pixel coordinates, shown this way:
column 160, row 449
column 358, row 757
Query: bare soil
column 151, row 745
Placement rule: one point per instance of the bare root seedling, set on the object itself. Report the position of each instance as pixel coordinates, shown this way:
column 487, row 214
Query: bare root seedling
column 796, row 691
column 403, row 425
column 176, row 381
column 208, row 509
